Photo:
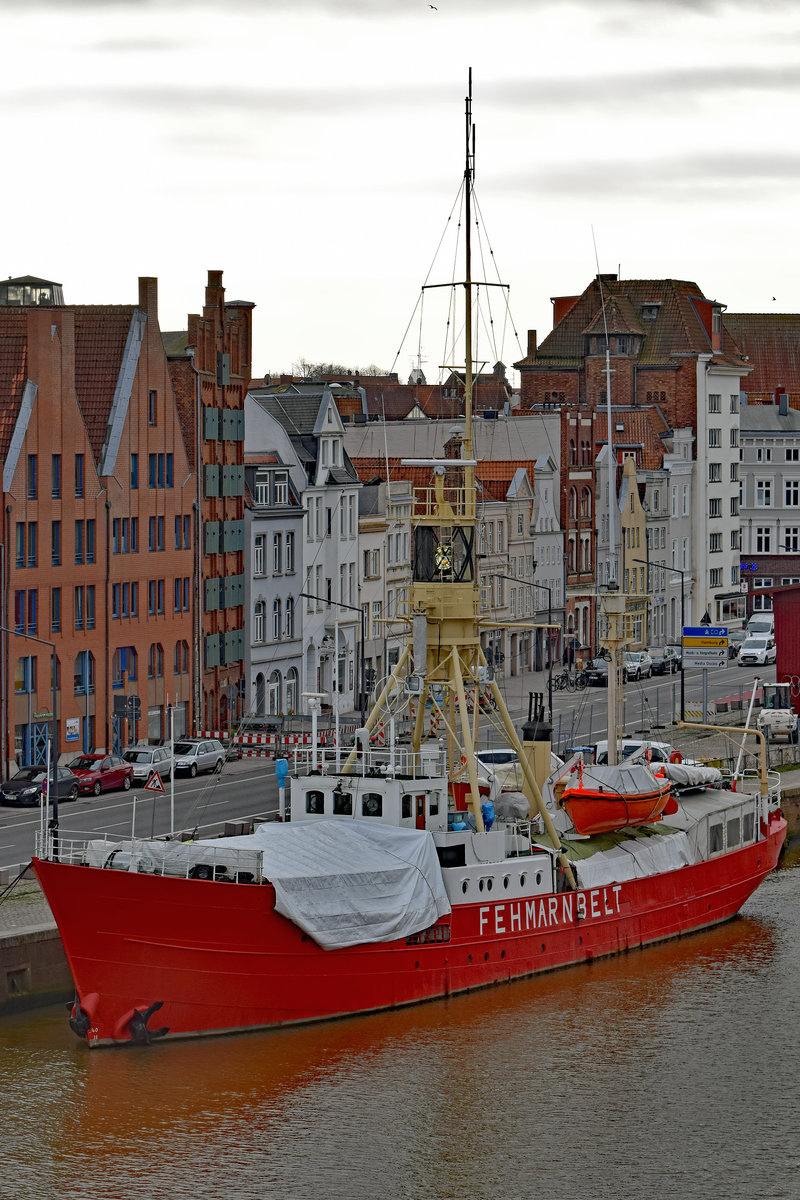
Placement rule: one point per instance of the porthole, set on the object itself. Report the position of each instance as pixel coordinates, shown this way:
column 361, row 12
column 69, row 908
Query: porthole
column 502, row 953
column 480, row 885
column 464, row 886
column 506, row 881
column 522, row 879
column 469, row 958
column 538, row 877
column 489, row 883
column 486, row 956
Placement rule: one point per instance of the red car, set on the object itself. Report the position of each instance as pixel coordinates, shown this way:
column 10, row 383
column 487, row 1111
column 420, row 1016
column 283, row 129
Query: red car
column 102, row 773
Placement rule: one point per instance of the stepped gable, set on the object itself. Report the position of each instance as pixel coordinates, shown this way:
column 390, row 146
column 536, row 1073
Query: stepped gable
column 13, row 371
column 771, row 342
column 101, row 332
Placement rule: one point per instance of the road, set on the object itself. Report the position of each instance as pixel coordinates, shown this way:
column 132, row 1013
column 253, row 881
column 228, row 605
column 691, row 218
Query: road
column 246, row 789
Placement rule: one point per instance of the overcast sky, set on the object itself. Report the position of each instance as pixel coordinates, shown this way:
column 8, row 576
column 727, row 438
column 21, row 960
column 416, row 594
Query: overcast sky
column 313, row 149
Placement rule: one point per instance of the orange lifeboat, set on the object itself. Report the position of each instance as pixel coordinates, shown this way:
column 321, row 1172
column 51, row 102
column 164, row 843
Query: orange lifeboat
column 603, row 799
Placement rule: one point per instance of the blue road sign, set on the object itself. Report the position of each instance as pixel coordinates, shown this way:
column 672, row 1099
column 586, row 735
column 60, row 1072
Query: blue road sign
column 715, row 631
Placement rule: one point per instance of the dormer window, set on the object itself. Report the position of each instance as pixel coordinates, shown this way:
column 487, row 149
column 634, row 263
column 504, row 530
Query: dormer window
column 262, row 487
column 650, row 310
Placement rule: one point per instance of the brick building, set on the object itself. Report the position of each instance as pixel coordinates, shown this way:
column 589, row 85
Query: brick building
column 97, row 551
column 210, row 368
column 669, row 351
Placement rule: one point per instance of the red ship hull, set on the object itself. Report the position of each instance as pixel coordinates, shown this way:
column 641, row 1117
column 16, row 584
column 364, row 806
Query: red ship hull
column 219, row 959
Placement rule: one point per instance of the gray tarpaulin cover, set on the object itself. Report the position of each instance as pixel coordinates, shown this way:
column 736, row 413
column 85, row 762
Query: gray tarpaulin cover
column 349, row 882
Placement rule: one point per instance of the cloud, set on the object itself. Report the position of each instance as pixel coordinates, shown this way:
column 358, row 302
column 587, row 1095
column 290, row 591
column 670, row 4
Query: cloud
column 726, row 175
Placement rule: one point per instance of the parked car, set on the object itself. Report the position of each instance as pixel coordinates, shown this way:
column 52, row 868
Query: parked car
column 596, row 672
column 757, row 650
column 735, row 639
column 195, row 755
column 676, row 648
column 147, row 761
column 665, row 660
column 502, row 769
column 101, row 773
column 637, row 664
column 761, row 623
column 25, row 788
column 659, row 751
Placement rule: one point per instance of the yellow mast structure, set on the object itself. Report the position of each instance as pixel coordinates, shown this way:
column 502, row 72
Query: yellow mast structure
column 445, row 647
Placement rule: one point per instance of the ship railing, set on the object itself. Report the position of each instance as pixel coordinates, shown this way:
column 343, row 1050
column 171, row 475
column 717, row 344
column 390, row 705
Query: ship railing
column 749, row 781
column 454, row 502
column 403, row 761
column 155, row 856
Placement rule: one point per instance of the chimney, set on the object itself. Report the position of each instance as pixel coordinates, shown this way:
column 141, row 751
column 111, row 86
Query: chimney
column 782, row 400
column 531, row 343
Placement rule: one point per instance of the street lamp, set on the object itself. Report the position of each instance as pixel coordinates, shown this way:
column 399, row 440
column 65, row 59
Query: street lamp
column 360, row 611
column 51, row 784
column 544, row 588
column 675, row 571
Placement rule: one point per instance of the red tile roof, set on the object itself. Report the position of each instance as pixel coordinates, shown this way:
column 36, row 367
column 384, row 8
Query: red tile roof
column 100, row 335
column 772, row 343
column 13, row 371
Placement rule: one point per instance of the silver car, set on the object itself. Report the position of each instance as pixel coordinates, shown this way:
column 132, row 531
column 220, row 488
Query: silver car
column 195, row 755
column 147, row 761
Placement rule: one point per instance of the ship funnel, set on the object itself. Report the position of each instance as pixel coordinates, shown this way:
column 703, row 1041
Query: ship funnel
column 536, row 738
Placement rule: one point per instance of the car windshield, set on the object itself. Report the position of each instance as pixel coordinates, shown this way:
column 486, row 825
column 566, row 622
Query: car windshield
column 83, row 764
column 756, row 643
column 29, row 775
column 138, row 756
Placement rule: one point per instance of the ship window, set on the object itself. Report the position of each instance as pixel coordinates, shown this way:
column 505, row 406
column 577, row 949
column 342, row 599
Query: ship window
column 747, row 827
column 733, row 832
column 372, row 804
column 715, row 839
column 315, row 802
column 342, row 803
column 433, row 804
column 405, row 807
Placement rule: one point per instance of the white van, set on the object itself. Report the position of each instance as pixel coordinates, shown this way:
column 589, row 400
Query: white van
column 761, row 623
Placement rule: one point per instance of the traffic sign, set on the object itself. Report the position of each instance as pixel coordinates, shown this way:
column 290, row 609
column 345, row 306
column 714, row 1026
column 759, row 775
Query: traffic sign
column 697, row 656
column 154, row 783
column 705, row 631
column 708, row 642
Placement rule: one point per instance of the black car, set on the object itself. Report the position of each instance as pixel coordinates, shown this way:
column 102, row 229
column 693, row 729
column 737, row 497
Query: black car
column 666, row 659
column 25, row 788
column 596, row 672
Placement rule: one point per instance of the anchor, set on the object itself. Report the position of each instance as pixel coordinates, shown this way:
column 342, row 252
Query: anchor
column 140, row 1034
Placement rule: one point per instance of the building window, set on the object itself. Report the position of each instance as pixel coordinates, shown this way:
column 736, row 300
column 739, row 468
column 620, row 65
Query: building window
column 276, row 620
column 763, row 493
column 32, row 484
column 734, row 434
column 259, row 621
column 115, row 590
column 155, row 661
column 259, row 554
column 288, row 558
column 290, row 617
column 792, row 493
column 55, row 609
column 277, row 556
column 734, row 472
column 90, row 606
column 83, row 675
column 763, row 539
column 79, row 541
column 281, row 488
column 764, row 454
column 262, row 488
column 151, row 407
column 78, row 474
column 792, row 454
column 734, row 506
column 715, row 506
column 715, row 543
column 714, row 402
column 134, row 471
column 715, row 437
column 90, row 540
column 181, row 658
column 79, row 595
column 791, row 539
column 55, row 475
column 715, row 472
column 715, row 577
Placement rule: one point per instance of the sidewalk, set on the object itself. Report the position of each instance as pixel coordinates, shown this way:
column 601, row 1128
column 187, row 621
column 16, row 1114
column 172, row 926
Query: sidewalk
column 24, row 909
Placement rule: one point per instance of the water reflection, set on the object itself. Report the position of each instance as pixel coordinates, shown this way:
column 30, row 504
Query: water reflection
column 662, row 1069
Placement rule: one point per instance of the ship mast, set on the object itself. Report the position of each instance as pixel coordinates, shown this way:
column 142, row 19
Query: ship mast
column 444, row 653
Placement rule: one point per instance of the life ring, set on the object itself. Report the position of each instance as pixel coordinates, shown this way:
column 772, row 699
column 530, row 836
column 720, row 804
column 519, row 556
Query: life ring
column 675, row 757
